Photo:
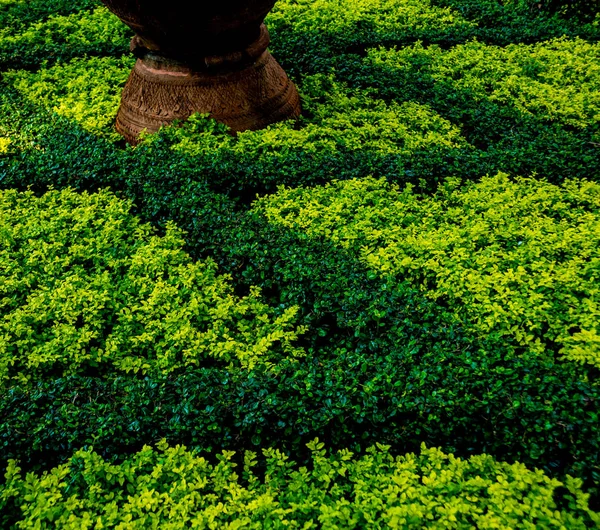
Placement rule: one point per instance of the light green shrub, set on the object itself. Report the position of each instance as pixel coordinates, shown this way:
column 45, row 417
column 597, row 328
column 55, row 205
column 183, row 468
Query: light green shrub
column 86, row 90
column 86, row 27
column 341, row 120
column 61, row 37
column 17, row 14
column 556, row 80
column 344, row 17
column 332, row 27
column 516, row 257
column 173, row 488
column 85, row 286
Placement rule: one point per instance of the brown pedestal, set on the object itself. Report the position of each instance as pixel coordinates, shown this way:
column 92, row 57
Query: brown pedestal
column 221, row 67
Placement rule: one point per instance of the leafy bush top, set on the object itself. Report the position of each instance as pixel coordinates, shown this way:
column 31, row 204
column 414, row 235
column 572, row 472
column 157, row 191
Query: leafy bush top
column 516, row 257
column 85, row 286
column 172, row 488
column 411, row 90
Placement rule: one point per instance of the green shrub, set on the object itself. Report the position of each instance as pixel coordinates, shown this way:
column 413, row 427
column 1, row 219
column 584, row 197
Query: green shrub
column 86, row 90
column 17, row 14
column 62, row 37
column 522, row 21
column 335, row 30
column 86, row 286
column 585, row 10
column 379, row 352
column 48, row 150
column 516, row 106
column 418, row 115
column 346, row 129
column 555, row 81
column 330, row 28
column 174, row 488
column 431, row 385
column 518, row 258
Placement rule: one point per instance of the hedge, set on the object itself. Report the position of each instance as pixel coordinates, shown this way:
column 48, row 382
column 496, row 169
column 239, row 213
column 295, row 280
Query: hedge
column 16, row 15
column 173, row 488
column 61, row 37
column 585, row 10
column 431, row 385
column 86, row 286
column 417, row 114
column 517, row 258
column 413, row 92
column 87, row 90
column 526, row 21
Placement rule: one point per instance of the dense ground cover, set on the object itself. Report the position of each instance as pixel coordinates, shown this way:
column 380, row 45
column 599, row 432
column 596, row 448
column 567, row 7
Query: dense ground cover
column 415, row 260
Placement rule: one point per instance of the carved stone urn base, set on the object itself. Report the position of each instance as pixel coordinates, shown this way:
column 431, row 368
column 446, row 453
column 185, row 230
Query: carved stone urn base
column 246, row 90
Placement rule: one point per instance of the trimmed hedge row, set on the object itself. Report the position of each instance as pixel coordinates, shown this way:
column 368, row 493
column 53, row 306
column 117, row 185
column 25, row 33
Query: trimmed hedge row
column 586, row 10
column 431, row 385
column 516, row 106
column 85, row 286
column 510, row 21
column 520, row 258
column 379, row 354
column 62, row 37
column 173, row 488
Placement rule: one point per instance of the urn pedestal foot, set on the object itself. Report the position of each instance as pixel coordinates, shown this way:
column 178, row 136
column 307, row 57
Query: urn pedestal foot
column 246, row 90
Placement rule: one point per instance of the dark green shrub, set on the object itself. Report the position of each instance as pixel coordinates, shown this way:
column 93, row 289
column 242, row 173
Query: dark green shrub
column 525, row 21
column 585, row 10
column 173, row 488
column 410, row 381
column 337, row 29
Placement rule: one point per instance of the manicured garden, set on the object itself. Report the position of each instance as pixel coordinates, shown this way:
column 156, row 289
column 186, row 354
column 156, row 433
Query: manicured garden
column 385, row 314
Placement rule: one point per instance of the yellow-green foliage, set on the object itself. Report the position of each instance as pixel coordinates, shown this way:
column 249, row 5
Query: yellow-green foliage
column 173, row 488
column 347, row 17
column 87, row 27
column 87, row 90
column 4, row 145
column 516, row 257
column 84, row 285
column 342, row 119
column 558, row 80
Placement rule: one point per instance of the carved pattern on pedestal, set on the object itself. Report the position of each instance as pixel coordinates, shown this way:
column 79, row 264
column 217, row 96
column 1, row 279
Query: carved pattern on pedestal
column 216, row 63
column 253, row 98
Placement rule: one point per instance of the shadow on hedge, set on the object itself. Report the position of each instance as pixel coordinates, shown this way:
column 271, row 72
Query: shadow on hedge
column 384, row 364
